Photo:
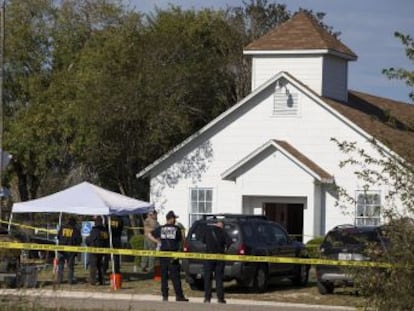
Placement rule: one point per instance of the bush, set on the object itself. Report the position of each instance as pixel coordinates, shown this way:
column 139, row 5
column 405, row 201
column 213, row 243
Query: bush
column 137, row 242
column 313, row 245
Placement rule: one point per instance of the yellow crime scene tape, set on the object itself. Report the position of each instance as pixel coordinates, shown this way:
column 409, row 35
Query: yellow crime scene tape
column 54, row 231
column 185, row 255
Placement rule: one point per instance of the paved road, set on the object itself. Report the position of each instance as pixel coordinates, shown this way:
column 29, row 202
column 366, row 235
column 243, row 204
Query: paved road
column 117, row 301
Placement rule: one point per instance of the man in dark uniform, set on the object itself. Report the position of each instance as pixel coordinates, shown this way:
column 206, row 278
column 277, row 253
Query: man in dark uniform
column 217, row 241
column 170, row 237
column 69, row 234
column 116, row 226
column 98, row 237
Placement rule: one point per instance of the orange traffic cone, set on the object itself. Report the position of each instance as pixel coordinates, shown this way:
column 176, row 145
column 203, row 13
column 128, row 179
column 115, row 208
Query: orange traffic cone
column 116, row 281
column 157, row 271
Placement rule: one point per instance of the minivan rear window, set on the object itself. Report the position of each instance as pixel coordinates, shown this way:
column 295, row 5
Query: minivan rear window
column 350, row 237
column 198, row 229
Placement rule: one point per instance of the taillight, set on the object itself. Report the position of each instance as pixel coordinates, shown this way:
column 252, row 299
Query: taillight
column 241, row 250
column 186, row 247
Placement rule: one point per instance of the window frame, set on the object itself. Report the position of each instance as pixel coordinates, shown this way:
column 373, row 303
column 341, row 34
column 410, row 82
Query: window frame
column 208, row 203
column 368, row 212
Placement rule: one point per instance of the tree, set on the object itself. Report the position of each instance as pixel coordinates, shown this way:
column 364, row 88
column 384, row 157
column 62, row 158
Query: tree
column 26, row 80
column 387, row 289
column 97, row 92
column 400, row 73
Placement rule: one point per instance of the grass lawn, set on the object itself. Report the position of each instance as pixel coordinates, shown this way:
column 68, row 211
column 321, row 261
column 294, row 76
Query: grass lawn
column 136, row 282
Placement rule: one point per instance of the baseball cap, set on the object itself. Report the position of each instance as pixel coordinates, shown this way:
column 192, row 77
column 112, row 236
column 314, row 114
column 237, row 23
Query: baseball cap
column 171, row 214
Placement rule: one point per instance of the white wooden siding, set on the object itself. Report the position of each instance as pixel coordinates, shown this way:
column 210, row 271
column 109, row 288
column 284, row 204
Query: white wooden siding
column 307, row 69
column 335, row 78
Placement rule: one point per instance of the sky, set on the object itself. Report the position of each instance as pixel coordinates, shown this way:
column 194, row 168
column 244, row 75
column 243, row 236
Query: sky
column 367, row 27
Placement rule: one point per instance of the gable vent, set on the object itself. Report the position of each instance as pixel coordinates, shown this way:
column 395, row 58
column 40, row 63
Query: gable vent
column 285, row 102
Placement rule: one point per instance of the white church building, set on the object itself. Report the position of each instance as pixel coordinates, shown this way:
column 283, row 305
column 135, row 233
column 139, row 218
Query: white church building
column 272, row 153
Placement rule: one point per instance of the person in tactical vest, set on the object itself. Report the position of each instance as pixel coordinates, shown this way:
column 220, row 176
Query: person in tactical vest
column 170, row 237
column 98, row 237
column 69, row 234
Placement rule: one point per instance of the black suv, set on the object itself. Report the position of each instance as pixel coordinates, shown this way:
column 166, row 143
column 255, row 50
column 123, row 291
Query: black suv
column 251, row 235
column 345, row 242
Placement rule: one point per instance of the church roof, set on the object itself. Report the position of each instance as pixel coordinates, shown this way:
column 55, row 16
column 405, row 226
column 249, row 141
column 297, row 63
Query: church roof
column 301, row 32
column 390, row 122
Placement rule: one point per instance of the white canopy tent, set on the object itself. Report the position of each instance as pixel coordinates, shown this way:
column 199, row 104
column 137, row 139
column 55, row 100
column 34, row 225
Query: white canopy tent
column 84, row 199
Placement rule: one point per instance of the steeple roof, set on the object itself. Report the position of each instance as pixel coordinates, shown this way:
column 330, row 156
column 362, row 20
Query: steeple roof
column 301, row 32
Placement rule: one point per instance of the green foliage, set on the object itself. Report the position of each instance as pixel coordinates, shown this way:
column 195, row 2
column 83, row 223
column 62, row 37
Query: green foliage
column 386, row 289
column 94, row 91
column 406, row 75
column 312, row 247
column 137, row 242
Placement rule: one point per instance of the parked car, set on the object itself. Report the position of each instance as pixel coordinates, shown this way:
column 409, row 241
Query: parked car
column 251, row 235
column 345, row 242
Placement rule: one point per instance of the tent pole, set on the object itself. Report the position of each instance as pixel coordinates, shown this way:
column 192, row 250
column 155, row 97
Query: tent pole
column 60, row 220
column 57, row 237
column 111, row 244
column 10, row 222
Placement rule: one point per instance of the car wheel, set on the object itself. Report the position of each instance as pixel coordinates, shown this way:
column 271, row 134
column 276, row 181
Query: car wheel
column 261, row 280
column 325, row 288
column 301, row 276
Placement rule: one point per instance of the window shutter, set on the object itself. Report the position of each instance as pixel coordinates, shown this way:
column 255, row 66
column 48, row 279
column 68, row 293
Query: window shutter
column 285, row 103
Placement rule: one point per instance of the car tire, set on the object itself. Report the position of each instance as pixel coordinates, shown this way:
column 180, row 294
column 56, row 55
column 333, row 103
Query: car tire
column 301, row 275
column 260, row 280
column 325, row 288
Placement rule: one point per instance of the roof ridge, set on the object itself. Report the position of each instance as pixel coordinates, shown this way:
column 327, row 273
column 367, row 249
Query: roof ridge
column 301, row 32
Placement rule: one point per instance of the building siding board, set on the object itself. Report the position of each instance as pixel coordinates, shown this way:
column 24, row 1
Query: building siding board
column 308, row 69
column 335, row 78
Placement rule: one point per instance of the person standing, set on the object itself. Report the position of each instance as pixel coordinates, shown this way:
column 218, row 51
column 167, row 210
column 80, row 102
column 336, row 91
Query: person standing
column 69, row 234
column 117, row 226
column 170, row 237
column 98, row 237
column 150, row 223
column 217, row 241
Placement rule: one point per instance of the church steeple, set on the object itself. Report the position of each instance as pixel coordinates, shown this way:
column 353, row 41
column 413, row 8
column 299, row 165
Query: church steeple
column 302, row 47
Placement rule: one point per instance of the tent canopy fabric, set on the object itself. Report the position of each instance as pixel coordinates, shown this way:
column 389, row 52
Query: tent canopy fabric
column 84, row 199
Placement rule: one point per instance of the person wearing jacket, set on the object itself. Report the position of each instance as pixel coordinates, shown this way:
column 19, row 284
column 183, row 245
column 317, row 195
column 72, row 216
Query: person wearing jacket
column 68, row 234
column 217, row 241
column 98, row 237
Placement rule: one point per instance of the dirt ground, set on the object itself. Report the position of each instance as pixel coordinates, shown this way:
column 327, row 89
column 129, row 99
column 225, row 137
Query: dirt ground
column 144, row 283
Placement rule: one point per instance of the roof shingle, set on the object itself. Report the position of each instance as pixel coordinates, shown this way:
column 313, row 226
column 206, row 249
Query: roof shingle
column 390, row 122
column 301, row 32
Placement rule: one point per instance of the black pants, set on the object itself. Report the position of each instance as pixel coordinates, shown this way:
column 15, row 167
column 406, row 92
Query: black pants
column 96, row 265
column 171, row 268
column 69, row 258
column 216, row 267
